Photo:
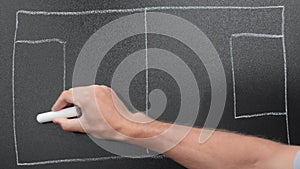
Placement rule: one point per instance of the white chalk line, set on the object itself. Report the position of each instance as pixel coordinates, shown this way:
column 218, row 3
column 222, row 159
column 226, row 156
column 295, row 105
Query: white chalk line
column 233, row 77
column 285, row 77
column 258, row 35
column 212, row 7
column 146, row 61
column 261, row 115
column 13, row 91
column 154, row 8
column 65, row 65
column 88, row 160
column 41, row 41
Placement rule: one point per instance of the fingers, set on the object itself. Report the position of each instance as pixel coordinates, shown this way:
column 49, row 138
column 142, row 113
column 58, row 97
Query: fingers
column 70, row 125
column 64, row 100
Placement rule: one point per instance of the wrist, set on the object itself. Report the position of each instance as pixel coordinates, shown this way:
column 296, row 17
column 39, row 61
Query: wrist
column 129, row 129
column 138, row 126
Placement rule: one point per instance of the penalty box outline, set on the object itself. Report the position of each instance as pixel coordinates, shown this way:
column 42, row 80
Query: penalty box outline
column 261, row 114
column 53, row 40
column 89, row 12
column 64, row 83
column 252, row 115
column 36, row 42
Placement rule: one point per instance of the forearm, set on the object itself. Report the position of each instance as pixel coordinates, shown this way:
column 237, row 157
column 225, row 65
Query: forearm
column 222, row 150
column 102, row 118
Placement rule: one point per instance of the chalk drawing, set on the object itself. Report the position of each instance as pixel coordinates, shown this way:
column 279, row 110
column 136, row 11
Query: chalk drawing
column 234, row 81
column 147, row 71
column 13, row 71
column 73, row 160
column 145, row 9
column 49, row 41
column 285, row 75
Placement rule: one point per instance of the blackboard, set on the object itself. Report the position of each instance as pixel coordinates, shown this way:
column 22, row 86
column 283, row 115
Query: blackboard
column 257, row 42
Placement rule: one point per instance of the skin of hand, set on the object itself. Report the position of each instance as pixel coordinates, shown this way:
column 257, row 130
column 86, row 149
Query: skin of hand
column 105, row 116
column 100, row 108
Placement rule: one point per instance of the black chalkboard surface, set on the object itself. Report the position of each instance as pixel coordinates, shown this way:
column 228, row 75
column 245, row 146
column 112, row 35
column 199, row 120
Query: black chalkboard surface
column 257, row 42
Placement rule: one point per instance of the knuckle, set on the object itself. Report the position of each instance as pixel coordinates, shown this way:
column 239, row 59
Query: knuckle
column 103, row 86
column 95, row 88
column 101, row 89
column 65, row 92
column 106, row 89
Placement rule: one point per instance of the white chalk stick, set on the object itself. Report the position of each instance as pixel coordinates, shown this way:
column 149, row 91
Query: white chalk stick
column 67, row 112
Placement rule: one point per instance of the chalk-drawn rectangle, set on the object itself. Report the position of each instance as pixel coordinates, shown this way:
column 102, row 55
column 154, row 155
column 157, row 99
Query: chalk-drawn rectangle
column 28, row 33
column 38, row 72
column 253, row 59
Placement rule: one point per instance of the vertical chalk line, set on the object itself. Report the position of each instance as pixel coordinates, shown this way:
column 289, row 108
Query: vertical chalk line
column 13, row 90
column 285, row 77
column 146, row 61
column 65, row 66
column 233, row 77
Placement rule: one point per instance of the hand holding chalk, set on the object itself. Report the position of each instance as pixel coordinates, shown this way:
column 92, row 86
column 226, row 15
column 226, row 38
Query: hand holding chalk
column 67, row 112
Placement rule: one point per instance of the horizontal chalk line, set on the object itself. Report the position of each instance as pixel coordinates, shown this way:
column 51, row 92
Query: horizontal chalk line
column 88, row 160
column 143, row 9
column 214, row 7
column 41, row 41
column 256, row 35
column 261, row 114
